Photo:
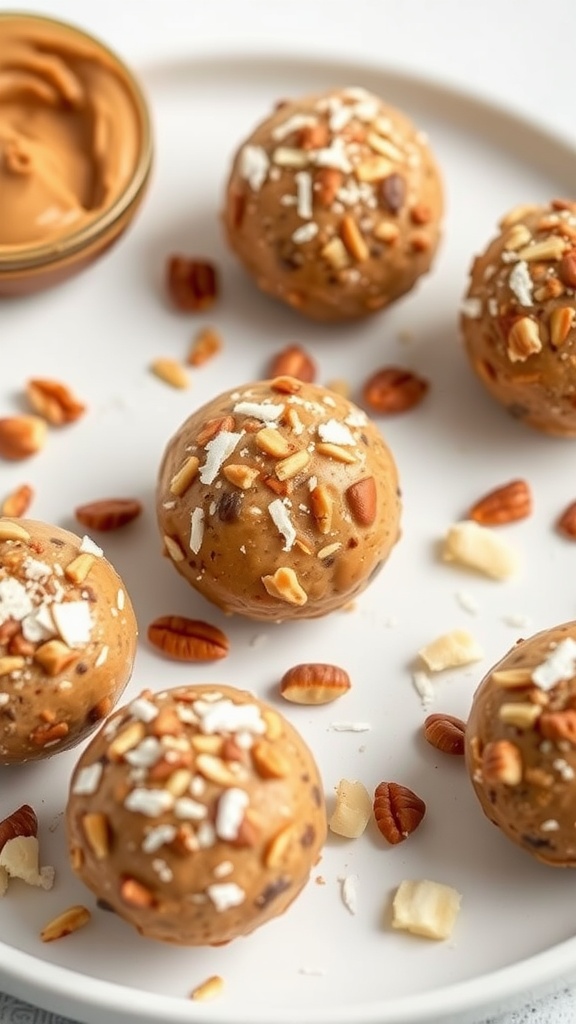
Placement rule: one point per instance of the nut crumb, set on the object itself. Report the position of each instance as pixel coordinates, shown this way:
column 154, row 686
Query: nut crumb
column 209, row 989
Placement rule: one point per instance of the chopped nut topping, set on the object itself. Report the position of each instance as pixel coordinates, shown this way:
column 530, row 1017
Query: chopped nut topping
column 523, row 340
column 284, row 586
column 353, row 239
column 181, row 480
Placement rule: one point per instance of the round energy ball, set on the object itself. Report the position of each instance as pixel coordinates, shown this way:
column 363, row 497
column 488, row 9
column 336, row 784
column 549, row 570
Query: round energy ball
column 67, row 639
column 334, row 204
column 196, row 814
column 278, row 500
column 521, row 745
column 518, row 316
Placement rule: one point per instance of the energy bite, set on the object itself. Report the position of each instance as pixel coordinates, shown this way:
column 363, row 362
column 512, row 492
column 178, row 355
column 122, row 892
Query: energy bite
column 197, row 814
column 278, row 500
column 67, row 639
column 334, row 204
column 521, row 745
column 518, row 316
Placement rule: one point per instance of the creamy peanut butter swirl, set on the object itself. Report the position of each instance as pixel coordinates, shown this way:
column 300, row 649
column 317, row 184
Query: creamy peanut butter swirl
column 69, row 131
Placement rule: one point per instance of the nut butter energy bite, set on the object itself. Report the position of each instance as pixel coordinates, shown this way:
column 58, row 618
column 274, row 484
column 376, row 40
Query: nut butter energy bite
column 196, row 813
column 521, row 745
column 334, row 204
column 67, row 639
column 518, row 316
column 278, row 500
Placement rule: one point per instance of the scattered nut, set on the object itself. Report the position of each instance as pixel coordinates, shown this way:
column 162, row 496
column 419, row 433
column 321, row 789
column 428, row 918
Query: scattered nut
column 171, row 372
column 18, row 502
column 426, row 908
column 293, row 361
column 22, row 822
column 54, row 401
column 505, row 504
column 394, row 390
column 188, row 639
column 66, row 923
column 205, row 346
column 566, row 523
column 314, row 683
column 361, row 498
column 445, row 733
column 192, row 284
column 21, row 436
column 209, row 989
column 108, row 513
column 398, row 811
column 502, row 763
column 353, row 809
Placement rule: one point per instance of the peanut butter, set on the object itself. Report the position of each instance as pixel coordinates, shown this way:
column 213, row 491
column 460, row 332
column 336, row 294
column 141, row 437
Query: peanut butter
column 70, row 133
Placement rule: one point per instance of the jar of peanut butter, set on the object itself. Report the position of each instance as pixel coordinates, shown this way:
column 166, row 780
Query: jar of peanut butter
column 75, row 150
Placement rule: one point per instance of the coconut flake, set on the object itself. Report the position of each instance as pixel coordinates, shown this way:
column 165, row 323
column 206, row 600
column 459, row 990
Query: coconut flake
column 217, row 451
column 291, row 125
column 303, row 181
column 305, row 233
column 281, row 519
column 334, row 156
column 349, row 892
column 560, row 664
column 35, row 570
column 424, row 687
column 230, row 813
column 90, row 547
column 521, row 283
column 336, row 433
column 88, row 779
column 189, row 810
column 225, row 895
column 143, row 710
column 472, row 307
column 150, row 802
column 196, row 529
column 73, row 620
column 225, row 716
column 157, row 837
column 39, row 625
column 15, row 601
column 146, row 754
column 267, row 412
column 254, row 164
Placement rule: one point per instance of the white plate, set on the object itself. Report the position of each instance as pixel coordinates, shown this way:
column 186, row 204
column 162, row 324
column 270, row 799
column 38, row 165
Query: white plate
column 99, row 333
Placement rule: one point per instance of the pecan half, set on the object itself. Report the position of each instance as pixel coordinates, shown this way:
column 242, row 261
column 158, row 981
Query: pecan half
column 293, row 361
column 445, row 733
column 54, row 401
column 398, row 811
column 314, row 683
column 394, row 389
column 21, row 436
column 567, row 521
column 108, row 513
column 188, row 639
column 192, row 284
column 505, row 504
